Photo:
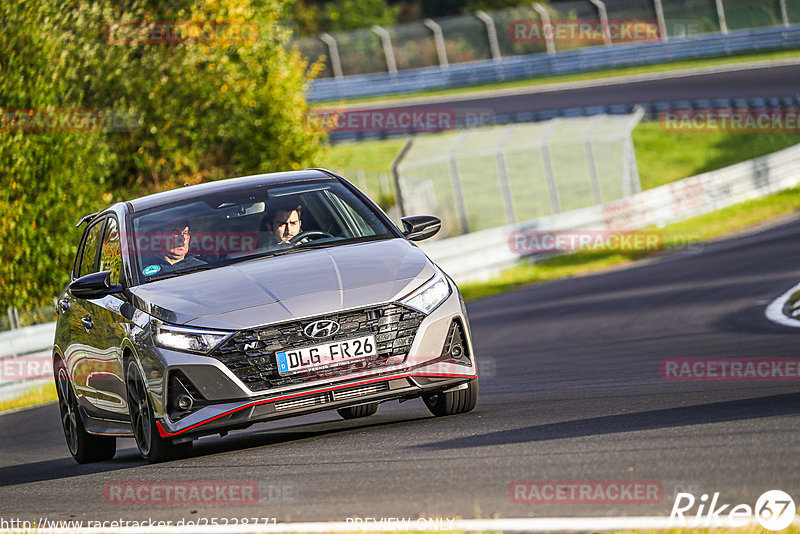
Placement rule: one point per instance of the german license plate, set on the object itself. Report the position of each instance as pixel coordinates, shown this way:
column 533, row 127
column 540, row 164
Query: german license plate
column 326, row 355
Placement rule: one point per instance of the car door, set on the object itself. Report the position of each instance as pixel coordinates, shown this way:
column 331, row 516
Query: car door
column 106, row 375
column 79, row 350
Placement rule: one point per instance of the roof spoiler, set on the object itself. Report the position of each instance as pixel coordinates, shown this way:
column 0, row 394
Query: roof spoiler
column 86, row 218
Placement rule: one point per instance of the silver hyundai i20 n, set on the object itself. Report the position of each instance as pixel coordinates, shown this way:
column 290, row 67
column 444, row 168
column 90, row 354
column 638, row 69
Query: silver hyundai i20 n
column 209, row 308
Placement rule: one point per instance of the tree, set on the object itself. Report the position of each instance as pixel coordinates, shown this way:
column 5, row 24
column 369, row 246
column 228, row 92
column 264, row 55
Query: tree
column 226, row 98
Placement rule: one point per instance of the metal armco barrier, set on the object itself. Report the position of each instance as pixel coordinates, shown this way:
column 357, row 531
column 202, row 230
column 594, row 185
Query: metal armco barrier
column 25, row 343
column 481, row 255
column 536, row 65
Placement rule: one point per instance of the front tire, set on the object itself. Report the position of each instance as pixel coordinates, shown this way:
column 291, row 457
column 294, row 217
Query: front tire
column 453, row 402
column 84, row 447
column 152, row 447
column 355, row 412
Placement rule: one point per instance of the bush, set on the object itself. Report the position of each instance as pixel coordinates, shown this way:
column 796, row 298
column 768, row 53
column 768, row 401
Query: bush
column 207, row 110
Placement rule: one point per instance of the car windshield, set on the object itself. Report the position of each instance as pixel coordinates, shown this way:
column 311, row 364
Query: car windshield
column 240, row 225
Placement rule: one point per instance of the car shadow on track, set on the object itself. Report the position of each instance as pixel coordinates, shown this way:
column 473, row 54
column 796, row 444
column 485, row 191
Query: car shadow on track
column 278, row 436
column 716, row 412
column 128, row 457
column 60, row 468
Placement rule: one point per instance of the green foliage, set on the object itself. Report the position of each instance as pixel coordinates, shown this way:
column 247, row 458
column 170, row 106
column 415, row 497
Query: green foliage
column 342, row 15
column 210, row 108
column 471, row 6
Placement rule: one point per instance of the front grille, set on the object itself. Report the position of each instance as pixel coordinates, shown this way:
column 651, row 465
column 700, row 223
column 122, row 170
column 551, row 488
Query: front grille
column 250, row 354
column 360, row 391
column 303, row 402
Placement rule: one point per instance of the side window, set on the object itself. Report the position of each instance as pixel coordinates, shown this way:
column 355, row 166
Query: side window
column 111, row 253
column 89, row 252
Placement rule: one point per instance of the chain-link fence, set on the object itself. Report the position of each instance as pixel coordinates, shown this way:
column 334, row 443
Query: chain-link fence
column 535, row 28
column 487, row 177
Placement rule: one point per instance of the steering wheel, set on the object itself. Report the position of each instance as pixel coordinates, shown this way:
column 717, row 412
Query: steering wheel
column 309, row 234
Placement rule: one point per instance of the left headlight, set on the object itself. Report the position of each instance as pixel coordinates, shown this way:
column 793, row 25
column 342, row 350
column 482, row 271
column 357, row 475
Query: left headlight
column 188, row 339
column 429, row 295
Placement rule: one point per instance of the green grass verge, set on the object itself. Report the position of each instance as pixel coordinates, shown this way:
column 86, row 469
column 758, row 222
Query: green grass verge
column 593, row 75
column 37, row 395
column 663, row 157
column 371, row 156
column 711, row 225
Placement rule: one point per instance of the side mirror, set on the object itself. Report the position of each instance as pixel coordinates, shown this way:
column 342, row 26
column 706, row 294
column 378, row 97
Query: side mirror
column 419, row 227
column 94, row 286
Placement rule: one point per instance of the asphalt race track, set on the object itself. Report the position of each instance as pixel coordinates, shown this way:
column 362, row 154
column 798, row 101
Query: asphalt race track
column 570, row 390
column 762, row 82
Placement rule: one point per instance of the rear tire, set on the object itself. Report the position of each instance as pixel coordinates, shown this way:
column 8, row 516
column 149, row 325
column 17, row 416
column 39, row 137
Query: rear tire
column 152, row 447
column 84, row 447
column 354, row 412
column 453, row 402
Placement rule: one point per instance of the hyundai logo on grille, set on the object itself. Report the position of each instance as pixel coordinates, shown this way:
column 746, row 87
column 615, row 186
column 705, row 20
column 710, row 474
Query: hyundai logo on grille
column 321, row 328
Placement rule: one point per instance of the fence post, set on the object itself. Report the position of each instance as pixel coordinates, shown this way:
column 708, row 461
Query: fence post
column 386, row 188
column 591, row 162
column 630, row 171
column 784, row 14
column 547, row 159
column 362, row 180
column 395, row 166
column 333, row 50
column 547, row 28
column 502, row 170
column 438, row 39
column 13, row 318
column 458, row 190
column 723, row 25
column 662, row 23
column 491, row 34
column 388, row 51
column 601, row 8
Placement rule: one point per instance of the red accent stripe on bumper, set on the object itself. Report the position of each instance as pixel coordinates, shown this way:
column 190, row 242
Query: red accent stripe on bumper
column 164, row 434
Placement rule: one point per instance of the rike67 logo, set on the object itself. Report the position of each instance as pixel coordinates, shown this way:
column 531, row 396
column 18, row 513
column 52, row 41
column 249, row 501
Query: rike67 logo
column 774, row 510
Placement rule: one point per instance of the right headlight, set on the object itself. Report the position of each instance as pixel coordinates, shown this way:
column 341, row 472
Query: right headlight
column 429, row 295
column 186, row 339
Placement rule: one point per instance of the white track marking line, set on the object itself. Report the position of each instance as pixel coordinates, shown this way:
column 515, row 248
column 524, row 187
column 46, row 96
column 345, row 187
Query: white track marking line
column 774, row 311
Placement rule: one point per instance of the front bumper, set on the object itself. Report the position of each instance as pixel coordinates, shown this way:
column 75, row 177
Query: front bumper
column 241, row 415
column 229, row 404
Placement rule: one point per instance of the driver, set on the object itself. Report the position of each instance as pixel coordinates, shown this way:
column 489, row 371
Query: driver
column 282, row 221
column 172, row 244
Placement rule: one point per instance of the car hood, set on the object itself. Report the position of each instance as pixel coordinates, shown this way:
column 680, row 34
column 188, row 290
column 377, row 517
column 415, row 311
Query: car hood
column 282, row 288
